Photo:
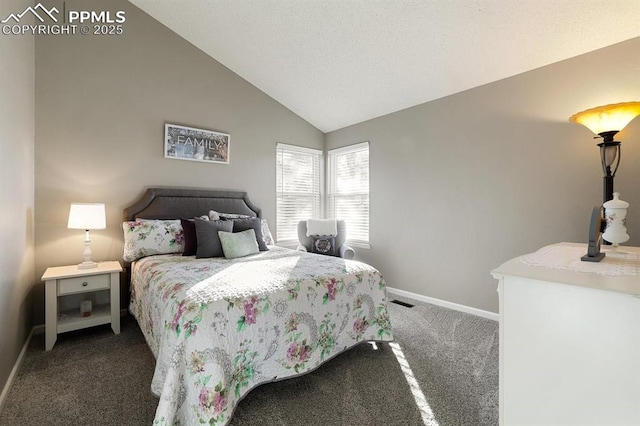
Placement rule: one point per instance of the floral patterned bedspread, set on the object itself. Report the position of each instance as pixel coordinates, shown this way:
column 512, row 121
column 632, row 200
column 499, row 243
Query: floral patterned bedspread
column 220, row 327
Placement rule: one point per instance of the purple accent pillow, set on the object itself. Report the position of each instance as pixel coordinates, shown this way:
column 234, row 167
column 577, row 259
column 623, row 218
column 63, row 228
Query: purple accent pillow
column 190, row 239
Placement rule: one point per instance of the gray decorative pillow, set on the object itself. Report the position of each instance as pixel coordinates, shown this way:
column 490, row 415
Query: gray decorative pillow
column 323, row 245
column 251, row 223
column 208, row 239
column 238, row 244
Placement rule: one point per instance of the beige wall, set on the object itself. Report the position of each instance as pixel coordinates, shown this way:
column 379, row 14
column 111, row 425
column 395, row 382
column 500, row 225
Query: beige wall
column 101, row 106
column 464, row 183
column 16, row 190
column 458, row 185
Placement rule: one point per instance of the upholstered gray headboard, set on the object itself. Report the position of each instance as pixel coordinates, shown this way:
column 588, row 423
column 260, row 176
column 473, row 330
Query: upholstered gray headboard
column 177, row 203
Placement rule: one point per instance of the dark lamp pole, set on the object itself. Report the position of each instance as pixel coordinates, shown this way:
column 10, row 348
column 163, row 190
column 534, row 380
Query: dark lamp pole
column 610, row 158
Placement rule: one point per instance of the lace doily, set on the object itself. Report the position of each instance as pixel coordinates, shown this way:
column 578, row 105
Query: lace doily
column 561, row 256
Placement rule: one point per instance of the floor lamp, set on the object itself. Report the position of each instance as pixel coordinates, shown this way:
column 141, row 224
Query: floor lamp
column 606, row 121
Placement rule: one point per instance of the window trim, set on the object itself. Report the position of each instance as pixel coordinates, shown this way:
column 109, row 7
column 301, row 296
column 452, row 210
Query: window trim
column 280, row 145
column 352, row 147
column 321, row 184
column 331, row 185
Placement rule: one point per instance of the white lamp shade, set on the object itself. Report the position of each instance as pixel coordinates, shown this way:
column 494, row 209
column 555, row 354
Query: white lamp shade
column 87, row 216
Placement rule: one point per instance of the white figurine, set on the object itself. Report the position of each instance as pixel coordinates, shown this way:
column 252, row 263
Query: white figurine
column 615, row 214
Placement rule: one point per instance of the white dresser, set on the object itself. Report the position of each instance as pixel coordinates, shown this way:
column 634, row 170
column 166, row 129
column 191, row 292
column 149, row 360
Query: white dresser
column 570, row 338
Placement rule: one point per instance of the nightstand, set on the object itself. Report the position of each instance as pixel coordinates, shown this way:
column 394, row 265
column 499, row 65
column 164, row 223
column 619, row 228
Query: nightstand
column 64, row 281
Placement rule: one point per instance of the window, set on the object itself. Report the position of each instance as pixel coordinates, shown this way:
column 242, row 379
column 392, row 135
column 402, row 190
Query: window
column 299, row 196
column 349, row 190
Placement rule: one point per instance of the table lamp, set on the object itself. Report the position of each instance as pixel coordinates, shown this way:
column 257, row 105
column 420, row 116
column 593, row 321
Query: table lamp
column 87, row 216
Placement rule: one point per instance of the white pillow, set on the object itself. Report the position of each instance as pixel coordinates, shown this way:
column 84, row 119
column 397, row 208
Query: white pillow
column 147, row 237
column 266, row 233
column 228, row 215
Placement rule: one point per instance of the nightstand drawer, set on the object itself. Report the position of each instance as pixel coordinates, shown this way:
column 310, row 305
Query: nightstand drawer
column 83, row 284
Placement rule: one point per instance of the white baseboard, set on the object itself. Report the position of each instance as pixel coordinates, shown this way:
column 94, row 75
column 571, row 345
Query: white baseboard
column 14, row 371
column 455, row 306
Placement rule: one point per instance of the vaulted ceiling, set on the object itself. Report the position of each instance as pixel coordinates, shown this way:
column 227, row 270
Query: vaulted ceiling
column 339, row 62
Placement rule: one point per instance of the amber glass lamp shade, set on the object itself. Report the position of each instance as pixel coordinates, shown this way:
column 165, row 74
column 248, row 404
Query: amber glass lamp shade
column 607, row 119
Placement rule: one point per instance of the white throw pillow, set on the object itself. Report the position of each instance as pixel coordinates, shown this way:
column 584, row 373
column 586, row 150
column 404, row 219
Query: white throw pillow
column 327, row 227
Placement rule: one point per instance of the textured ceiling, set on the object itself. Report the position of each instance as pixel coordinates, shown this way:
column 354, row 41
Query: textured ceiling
column 340, row 62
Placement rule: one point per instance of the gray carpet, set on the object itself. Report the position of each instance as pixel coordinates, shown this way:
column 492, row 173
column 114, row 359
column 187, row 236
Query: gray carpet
column 95, row 377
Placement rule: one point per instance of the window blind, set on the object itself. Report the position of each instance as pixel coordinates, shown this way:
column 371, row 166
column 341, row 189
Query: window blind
column 349, row 190
column 298, row 187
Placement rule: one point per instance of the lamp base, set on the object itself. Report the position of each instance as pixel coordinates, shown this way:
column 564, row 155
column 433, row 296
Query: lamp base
column 87, row 265
column 597, row 258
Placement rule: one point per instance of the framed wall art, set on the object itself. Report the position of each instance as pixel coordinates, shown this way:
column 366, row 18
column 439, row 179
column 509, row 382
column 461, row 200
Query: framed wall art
column 188, row 143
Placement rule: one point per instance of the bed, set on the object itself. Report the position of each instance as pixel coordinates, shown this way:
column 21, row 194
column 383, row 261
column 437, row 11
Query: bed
column 220, row 327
